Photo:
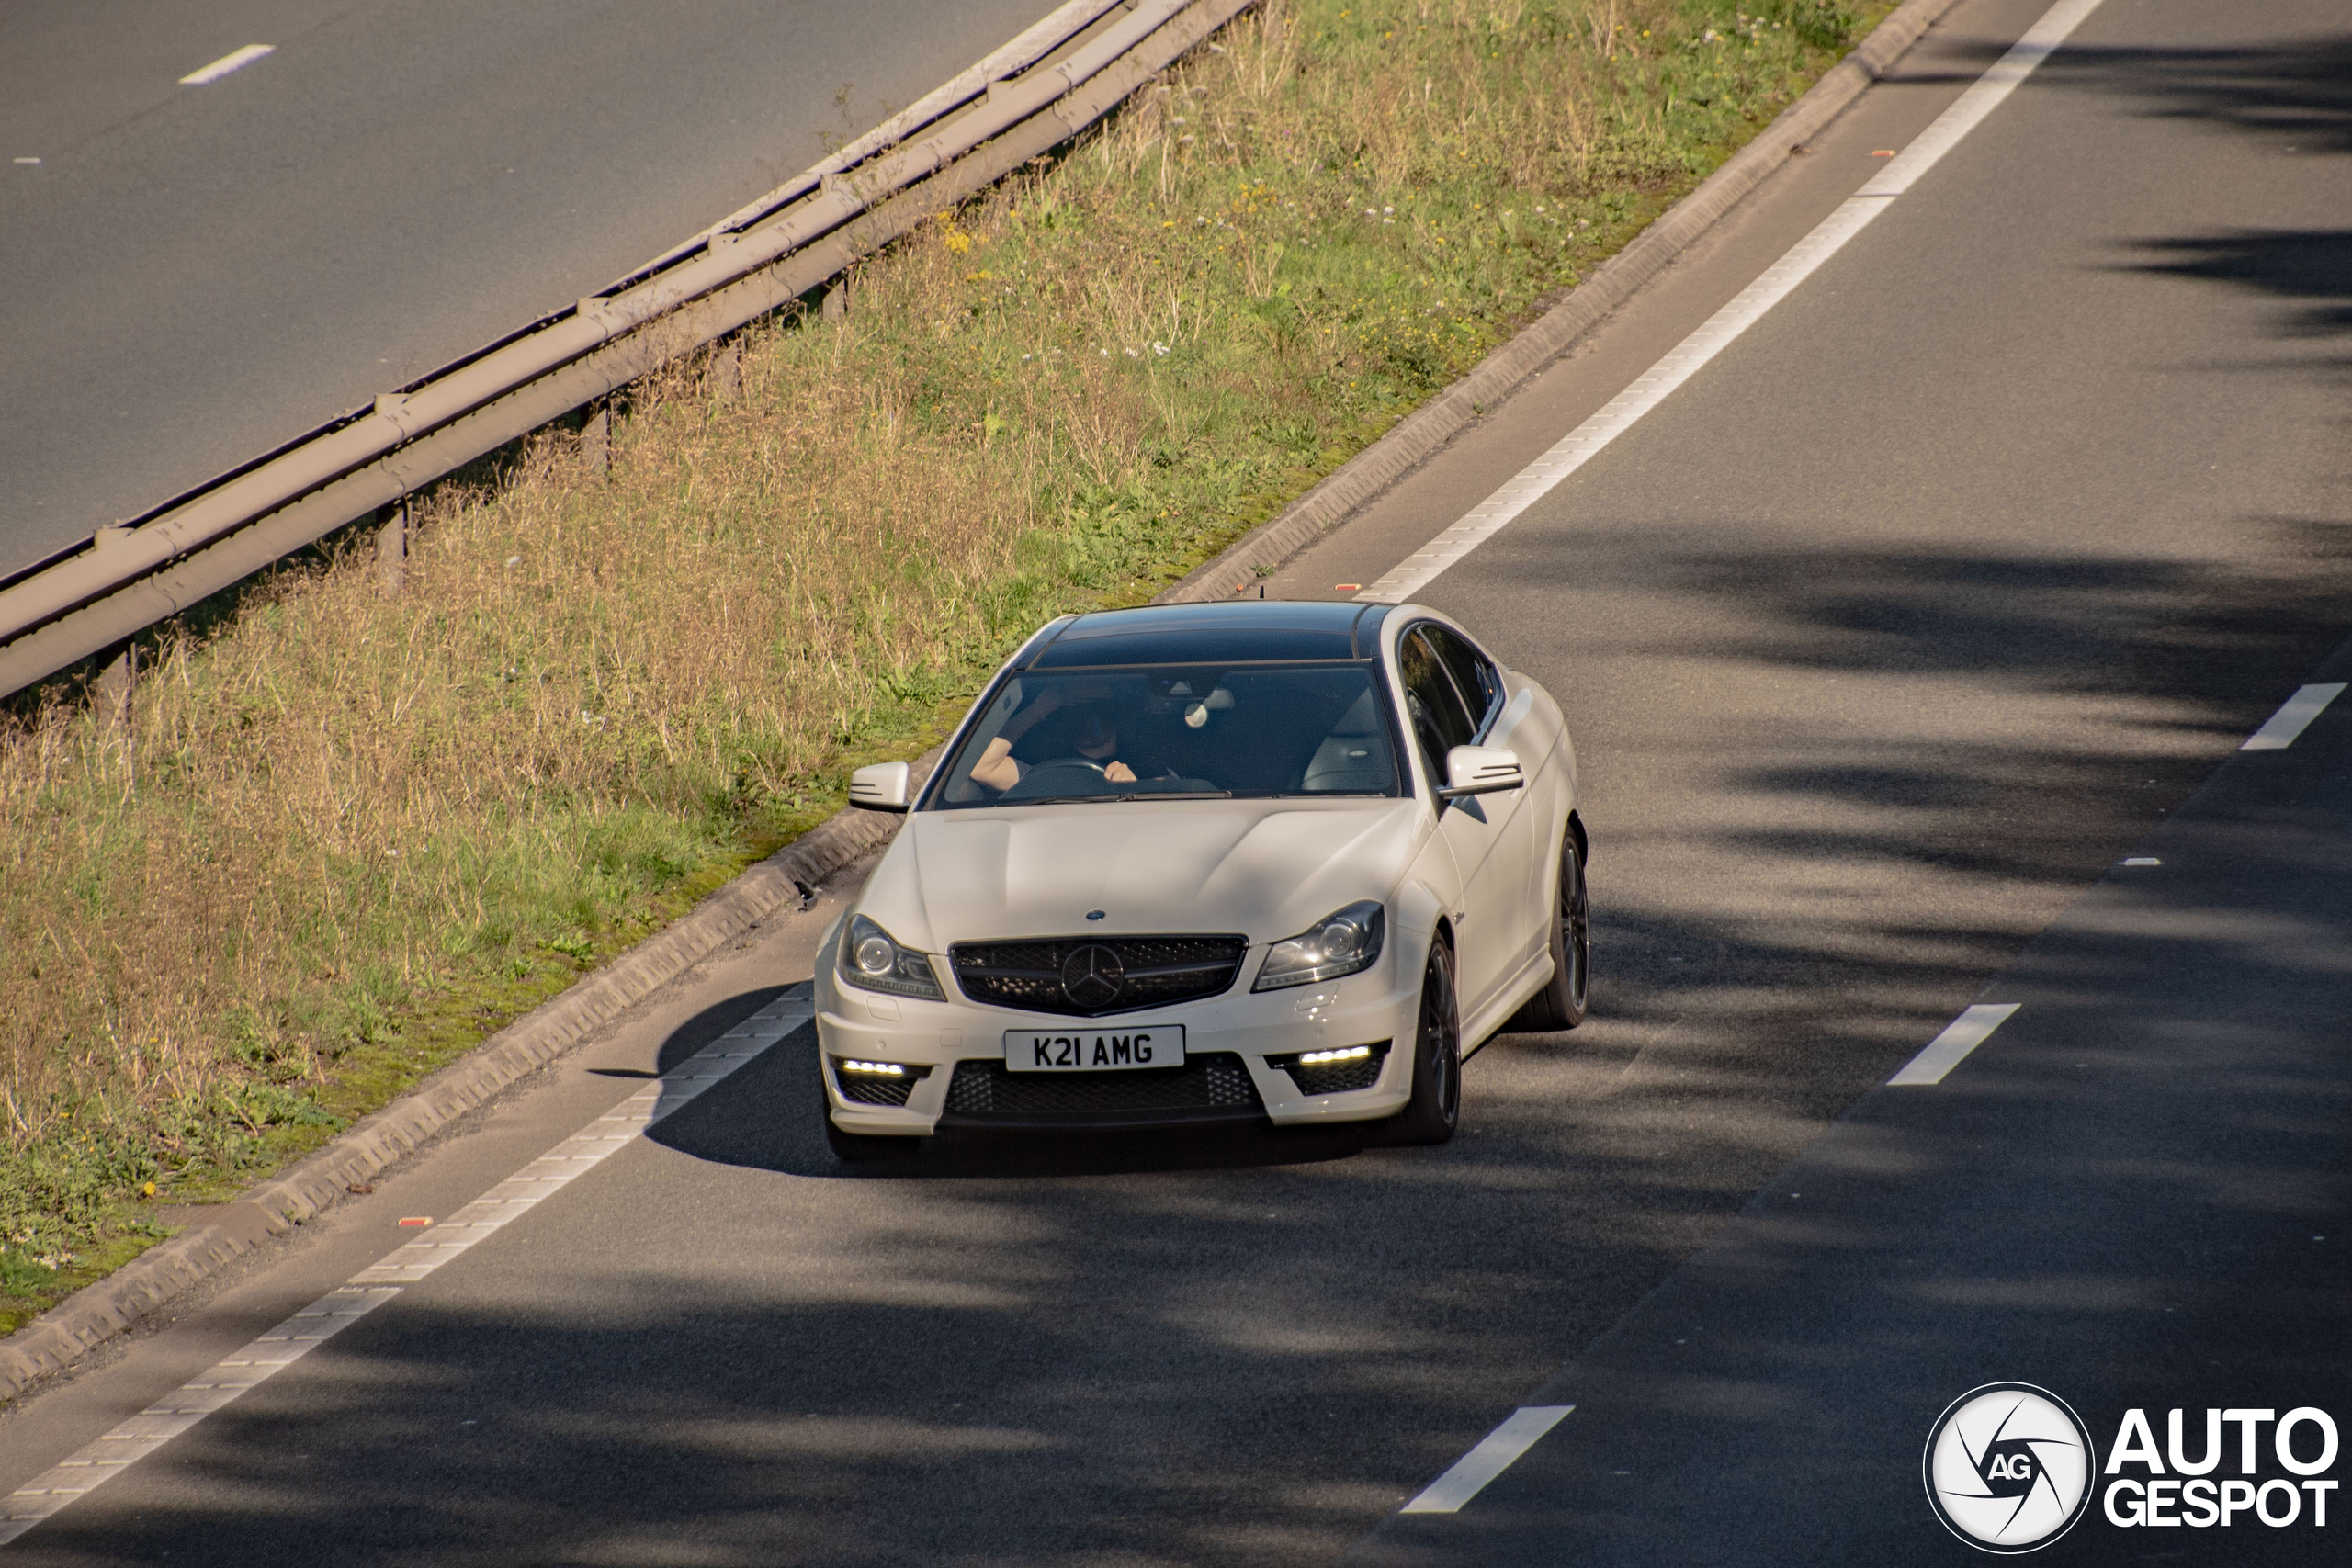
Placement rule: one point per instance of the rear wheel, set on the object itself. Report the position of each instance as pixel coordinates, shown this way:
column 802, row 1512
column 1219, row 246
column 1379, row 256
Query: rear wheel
column 1436, row 1107
column 1562, row 1001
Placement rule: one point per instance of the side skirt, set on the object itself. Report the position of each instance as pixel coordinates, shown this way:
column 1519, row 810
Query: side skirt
column 1533, row 976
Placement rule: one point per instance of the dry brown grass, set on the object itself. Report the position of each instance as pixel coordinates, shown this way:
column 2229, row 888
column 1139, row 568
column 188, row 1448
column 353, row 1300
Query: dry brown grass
column 346, row 832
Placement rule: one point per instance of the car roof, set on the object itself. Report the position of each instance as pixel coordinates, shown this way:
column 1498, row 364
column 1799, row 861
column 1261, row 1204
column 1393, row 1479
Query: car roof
column 1242, row 632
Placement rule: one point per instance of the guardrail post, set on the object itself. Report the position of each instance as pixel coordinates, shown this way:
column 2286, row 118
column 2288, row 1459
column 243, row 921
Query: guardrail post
column 111, row 697
column 727, row 367
column 110, row 694
column 391, row 545
column 596, row 436
column 836, row 303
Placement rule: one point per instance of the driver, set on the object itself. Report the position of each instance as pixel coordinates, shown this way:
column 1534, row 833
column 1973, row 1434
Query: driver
column 1096, row 745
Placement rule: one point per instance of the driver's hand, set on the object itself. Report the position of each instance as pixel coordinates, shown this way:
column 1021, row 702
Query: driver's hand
column 1119, row 772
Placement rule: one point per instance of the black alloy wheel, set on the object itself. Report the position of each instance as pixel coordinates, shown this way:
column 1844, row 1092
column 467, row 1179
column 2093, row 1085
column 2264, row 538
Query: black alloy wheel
column 1561, row 1004
column 1436, row 1107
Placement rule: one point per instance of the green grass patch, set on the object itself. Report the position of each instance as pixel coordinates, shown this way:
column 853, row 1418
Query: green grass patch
column 346, row 834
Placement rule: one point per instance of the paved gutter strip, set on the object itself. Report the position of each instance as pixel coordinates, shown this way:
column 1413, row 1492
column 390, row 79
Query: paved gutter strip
column 99, row 1310
column 1420, row 434
column 61, row 1336
column 539, row 1179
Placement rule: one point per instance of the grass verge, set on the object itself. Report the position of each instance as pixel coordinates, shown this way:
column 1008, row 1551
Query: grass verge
column 344, row 834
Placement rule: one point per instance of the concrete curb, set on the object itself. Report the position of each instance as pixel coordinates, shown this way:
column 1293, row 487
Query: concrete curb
column 96, row 1312
column 99, row 1310
column 1422, row 434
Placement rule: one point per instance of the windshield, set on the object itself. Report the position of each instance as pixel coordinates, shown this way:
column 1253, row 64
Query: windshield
column 1177, row 730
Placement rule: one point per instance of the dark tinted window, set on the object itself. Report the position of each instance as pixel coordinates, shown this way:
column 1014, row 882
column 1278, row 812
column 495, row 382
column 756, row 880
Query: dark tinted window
column 1439, row 720
column 1251, row 730
column 1480, row 681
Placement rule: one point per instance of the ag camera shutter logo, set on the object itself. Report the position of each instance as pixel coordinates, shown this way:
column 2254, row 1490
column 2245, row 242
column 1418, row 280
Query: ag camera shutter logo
column 2009, row 1467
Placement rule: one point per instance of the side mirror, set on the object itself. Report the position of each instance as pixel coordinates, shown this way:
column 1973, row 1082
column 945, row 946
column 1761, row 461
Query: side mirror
column 1480, row 769
column 882, row 787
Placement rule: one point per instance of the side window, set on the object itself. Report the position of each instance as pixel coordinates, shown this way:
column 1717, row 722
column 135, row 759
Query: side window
column 1440, row 721
column 1481, row 682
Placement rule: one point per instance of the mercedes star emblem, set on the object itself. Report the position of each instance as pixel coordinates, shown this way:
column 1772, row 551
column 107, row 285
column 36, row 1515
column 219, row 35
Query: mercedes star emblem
column 1093, row 976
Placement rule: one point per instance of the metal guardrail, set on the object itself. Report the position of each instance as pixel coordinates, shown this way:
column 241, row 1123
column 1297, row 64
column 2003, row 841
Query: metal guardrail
column 1037, row 92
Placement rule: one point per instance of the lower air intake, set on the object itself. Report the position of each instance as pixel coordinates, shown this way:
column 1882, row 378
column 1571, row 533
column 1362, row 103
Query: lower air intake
column 871, row 1088
column 1213, row 1086
column 1338, row 1078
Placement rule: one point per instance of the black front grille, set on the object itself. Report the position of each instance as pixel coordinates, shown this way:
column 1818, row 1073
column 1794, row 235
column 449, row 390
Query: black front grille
column 875, row 1088
column 1153, row 971
column 1213, row 1087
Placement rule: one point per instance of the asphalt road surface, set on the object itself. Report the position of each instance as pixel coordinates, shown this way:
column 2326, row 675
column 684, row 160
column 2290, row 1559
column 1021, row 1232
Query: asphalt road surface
column 192, row 275
column 2133, row 1195
column 1885, row 638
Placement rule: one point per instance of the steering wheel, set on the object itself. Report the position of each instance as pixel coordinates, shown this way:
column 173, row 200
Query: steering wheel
column 1078, row 763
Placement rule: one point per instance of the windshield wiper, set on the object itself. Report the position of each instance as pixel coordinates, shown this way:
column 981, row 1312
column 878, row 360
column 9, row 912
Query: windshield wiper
column 1130, row 794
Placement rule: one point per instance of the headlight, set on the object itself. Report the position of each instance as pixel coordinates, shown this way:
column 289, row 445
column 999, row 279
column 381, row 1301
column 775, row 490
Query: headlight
column 871, row 961
column 1338, row 944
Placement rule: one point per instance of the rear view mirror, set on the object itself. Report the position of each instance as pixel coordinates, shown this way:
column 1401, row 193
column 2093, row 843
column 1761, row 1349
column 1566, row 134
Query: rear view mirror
column 882, row 787
column 1480, row 769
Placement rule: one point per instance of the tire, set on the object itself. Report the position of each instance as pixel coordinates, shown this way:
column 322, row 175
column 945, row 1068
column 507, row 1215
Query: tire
column 1436, row 1106
column 858, row 1148
column 1561, row 1003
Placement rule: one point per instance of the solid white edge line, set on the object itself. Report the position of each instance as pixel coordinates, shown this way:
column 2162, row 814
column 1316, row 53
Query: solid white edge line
column 1486, row 519
column 2281, row 728
column 1985, row 94
column 236, row 60
column 1951, row 1048
column 214, row 1389
column 1495, row 1453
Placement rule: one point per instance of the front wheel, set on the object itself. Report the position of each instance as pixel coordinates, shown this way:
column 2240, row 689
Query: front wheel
column 1562, row 1001
column 1436, row 1106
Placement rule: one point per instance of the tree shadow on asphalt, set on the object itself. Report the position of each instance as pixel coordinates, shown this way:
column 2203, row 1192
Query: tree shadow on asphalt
column 1225, row 1350
column 2297, row 95
column 1222, row 1365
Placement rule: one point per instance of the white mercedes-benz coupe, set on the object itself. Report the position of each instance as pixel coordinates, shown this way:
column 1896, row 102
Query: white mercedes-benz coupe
column 1269, row 863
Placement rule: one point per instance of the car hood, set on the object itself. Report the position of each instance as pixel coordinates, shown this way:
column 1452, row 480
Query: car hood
column 1264, row 869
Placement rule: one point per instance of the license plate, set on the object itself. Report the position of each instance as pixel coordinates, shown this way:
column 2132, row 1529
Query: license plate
column 1093, row 1050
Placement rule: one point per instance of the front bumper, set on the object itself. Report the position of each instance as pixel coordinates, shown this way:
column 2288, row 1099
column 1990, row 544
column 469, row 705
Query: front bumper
column 1235, row 1047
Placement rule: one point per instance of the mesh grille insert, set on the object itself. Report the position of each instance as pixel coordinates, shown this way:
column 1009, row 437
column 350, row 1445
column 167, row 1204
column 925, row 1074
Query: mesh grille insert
column 1206, row 1088
column 1151, row 971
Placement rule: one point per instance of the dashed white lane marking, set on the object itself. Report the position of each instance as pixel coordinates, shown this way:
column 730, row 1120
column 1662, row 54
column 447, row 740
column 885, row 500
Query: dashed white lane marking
column 236, row 60
column 1486, row 519
column 1951, row 1048
column 213, row 1389
column 2280, row 730
column 1495, row 1453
